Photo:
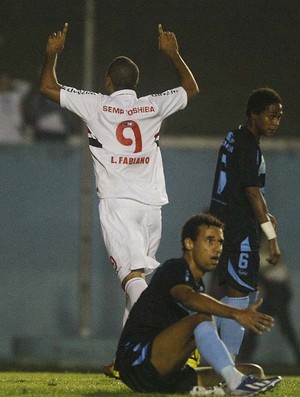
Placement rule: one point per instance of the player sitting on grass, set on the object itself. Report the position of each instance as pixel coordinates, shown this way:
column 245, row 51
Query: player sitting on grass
column 174, row 316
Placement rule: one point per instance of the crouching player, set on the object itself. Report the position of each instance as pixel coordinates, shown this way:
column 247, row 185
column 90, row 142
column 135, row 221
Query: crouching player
column 174, row 316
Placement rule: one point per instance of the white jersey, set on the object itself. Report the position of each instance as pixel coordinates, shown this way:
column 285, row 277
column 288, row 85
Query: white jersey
column 123, row 135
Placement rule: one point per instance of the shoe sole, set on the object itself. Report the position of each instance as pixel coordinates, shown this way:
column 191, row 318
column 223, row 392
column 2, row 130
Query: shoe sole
column 268, row 387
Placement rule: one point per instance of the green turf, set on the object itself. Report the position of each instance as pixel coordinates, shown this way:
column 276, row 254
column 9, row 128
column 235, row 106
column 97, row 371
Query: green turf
column 43, row 384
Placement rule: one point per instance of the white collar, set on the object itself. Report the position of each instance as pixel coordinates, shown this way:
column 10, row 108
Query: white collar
column 124, row 92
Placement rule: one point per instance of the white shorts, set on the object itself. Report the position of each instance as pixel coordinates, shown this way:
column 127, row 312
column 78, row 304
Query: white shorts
column 131, row 232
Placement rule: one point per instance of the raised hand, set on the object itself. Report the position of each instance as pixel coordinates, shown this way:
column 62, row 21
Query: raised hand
column 56, row 41
column 167, row 41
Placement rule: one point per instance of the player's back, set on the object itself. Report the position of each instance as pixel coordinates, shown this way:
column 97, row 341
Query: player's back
column 133, row 121
column 123, row 135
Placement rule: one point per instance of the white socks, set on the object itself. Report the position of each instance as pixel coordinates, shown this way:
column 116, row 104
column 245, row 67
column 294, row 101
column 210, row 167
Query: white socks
column 133, row 289
column 232, row 376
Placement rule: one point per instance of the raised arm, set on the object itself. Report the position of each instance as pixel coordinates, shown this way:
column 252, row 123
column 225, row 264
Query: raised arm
column 267, row 221
column 49, row 87
column 168, row 44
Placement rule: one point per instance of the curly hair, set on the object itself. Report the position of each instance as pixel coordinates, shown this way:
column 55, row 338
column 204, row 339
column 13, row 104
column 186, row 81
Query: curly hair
column 260, row 99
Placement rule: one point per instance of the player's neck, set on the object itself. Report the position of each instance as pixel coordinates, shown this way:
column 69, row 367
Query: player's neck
column 252, row 128
column 196, row 272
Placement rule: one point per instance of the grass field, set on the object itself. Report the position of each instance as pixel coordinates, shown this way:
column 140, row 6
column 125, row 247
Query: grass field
column 43, row 384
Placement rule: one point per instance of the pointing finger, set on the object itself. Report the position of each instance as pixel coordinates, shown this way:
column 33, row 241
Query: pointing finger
column 65, row 29
column 160, row 29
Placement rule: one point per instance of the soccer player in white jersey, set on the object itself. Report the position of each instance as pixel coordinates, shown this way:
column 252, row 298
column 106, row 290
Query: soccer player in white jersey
column 123, row 133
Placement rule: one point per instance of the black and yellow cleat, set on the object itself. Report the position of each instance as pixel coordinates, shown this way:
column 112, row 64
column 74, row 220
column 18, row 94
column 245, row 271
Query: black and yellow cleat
column 109, row 370
column 194, row 359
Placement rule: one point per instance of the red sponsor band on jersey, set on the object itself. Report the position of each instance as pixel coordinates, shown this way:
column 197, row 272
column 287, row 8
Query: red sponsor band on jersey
column 129, row 160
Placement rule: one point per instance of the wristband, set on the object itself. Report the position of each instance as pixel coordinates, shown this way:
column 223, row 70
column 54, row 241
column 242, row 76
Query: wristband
column 268, row 229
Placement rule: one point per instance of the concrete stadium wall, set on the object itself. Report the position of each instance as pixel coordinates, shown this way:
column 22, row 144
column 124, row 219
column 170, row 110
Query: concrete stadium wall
column 40, row 239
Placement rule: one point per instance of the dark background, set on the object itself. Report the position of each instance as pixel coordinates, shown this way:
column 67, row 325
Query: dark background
column 232, row 47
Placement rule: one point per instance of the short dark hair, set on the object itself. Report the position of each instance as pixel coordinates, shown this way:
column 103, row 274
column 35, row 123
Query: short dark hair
column 124, row 73
column 191, row 227
column 260, row 99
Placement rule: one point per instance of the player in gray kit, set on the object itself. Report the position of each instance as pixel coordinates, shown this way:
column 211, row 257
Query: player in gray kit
column 123, row 133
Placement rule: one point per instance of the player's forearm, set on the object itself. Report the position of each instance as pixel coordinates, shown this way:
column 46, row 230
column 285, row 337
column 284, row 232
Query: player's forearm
column 203, row 303
column 258, row 204
column 186, row 77
column 49, row 86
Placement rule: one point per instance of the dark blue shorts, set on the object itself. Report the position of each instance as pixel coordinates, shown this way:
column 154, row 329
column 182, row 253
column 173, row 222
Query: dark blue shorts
column 239, row 269
column 138, row 373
